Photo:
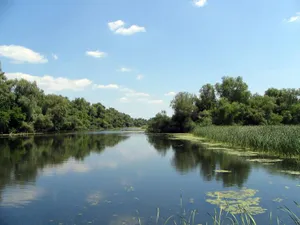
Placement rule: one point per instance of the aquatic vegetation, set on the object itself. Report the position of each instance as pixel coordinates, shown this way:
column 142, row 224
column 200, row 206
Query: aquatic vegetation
column 222, row 171
column 191, row 200
column 291, row 172
column 94, row 198
column 236, row 202
column 277, row 200
column 286, row 187
column 128, row 188
column 265, row 160
column 281, row 140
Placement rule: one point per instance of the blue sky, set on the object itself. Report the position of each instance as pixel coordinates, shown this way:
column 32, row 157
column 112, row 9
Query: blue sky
column 134, row 55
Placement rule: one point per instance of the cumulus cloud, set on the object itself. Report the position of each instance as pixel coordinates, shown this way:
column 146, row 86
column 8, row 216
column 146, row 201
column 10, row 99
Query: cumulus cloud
column 96, row 54
column 20, row 54
column 155, row 101
column 109, row 86
column 200, row 3
column 124, row 69
column 293, row 19
column 55, row 57
column 118, row 27
column 140, row 76
column 52, row 84
column 171, row 93
column 124, row 100
column 137, row 94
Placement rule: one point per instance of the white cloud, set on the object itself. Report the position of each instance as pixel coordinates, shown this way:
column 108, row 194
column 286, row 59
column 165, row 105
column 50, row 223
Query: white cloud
column 52, row 84
column 155, row 101
column 171, row 93
column 124, row 69
column 131, row 30
column 118, row 27
column 137, row 94
column 55, row 57
column 200, row 3
column 295, row 18
column 140, row 76
column 124, row 100
column 20, row 54
column 128, row 90
column 96, row 54
column 115, row 25
column 109, row 86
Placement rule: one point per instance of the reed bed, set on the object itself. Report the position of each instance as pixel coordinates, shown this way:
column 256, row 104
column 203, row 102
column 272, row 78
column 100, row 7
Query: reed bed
column 281, row 140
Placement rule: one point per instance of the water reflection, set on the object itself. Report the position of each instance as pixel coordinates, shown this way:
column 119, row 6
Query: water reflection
column 22, row 159
column 20, row 195
column 189, row 156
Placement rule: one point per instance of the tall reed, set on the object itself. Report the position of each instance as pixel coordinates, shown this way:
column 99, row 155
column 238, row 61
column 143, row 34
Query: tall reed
column 283, row 140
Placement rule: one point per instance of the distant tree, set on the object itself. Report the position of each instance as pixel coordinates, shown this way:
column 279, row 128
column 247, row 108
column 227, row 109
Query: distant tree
column 233, row 89
column 207, row 99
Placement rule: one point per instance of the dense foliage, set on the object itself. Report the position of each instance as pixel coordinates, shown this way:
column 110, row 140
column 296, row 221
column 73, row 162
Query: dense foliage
column 283, row 140
column 229, row 103
column 25, row 108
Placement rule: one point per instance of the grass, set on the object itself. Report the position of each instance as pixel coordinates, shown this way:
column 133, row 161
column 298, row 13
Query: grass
column 280, row 140
column 220, row 217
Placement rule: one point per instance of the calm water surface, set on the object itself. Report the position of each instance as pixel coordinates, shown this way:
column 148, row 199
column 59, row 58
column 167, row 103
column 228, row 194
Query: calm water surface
column 113, row 177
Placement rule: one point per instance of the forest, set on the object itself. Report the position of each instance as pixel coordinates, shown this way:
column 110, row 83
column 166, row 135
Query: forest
column 26, row 108
column 229, row 103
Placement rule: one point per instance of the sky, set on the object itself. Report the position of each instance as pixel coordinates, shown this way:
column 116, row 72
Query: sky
column 135, row 55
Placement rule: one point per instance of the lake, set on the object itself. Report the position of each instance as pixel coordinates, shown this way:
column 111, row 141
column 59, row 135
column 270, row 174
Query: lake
column 117, row 177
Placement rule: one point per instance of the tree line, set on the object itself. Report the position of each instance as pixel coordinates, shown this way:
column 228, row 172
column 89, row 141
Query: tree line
column 229, row 103
column 26, row 108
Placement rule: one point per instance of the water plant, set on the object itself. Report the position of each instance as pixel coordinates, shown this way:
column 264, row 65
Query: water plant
column 281, row 140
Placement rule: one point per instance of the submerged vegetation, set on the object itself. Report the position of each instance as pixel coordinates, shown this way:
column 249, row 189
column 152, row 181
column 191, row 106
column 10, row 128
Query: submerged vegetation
column 24, row 108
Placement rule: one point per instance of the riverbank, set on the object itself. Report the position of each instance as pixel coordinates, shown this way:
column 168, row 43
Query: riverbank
column 127, row 129
column 280, row 141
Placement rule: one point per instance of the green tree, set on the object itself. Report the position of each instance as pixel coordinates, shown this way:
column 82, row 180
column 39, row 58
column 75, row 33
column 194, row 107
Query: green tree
column 233, row 89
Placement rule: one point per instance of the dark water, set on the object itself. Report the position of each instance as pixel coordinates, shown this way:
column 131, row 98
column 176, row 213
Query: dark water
column 113, row 178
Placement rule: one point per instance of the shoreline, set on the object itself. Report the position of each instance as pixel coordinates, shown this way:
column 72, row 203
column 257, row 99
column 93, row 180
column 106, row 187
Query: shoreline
column 209, row 142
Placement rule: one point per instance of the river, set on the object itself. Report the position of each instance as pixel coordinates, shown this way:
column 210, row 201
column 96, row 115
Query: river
column 112, row 178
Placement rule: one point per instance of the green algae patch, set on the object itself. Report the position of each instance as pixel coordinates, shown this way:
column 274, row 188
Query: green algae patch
column 236, row 202
column 186, row 137
column 265, row 160
column 222, row 171
column 291, row 172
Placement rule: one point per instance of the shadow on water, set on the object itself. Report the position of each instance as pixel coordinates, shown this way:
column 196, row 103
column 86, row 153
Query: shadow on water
column 22, row 158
